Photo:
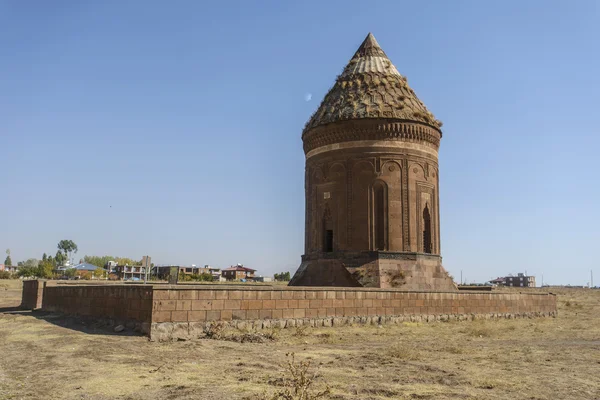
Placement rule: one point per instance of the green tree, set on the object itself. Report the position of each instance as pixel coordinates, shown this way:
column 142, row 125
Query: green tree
column 67, row 247
column 70, row 272
column 31, row 262
column 44, row 257
column 59, row 258
column 28, row 271
column 98, row 273
column 283, row 276
column 8, row 261
column 101, row 261
column 98, row 261
column 45, row 269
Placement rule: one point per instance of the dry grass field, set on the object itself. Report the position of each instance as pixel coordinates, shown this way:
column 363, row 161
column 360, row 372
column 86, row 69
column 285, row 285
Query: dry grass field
column 45, row 356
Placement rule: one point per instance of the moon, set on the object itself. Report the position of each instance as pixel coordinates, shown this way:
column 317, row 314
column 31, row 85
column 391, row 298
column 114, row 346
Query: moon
column 308, row 97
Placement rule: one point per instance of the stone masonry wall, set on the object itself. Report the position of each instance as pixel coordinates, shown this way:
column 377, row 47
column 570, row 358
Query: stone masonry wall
column 183, row 312
column 32, row 294
column 167, row 312
column 118, row 303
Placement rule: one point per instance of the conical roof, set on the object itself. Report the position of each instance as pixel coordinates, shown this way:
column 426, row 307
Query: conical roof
column 371, row 87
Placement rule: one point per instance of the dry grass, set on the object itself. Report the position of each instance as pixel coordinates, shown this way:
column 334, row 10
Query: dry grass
column 506, row 359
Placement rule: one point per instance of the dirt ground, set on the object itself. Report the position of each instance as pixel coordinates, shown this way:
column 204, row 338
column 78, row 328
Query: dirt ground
column 45, row 356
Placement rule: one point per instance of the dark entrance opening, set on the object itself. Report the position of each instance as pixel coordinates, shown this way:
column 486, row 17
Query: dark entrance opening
column 426, row 230
column 328, row 245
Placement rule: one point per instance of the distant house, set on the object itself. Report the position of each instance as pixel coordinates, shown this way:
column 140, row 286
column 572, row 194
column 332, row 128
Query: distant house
column 238, row 272
column 85, row 267
column 8, row 268
column 129, row 272
column 162, row 271
column 521, row 280
column 263, row 279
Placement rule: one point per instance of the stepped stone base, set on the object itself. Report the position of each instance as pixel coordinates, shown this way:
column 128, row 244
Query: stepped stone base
column 408, row 271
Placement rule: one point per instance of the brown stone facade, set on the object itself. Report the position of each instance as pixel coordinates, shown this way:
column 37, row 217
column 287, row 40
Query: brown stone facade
column 373, row 205
column 372, row 183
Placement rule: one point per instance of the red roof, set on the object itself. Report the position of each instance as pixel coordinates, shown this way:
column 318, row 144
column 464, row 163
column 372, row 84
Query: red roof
column 239, row 268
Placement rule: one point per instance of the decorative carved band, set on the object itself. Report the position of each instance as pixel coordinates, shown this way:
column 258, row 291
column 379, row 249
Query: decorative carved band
column 370, row 130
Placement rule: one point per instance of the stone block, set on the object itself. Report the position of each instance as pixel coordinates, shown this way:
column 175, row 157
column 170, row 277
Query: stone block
column 281, row 304
column 180, row 330
column 268, row 304
column 187, row 295
column 226, row 315
column 196, row 316
column 213, row 315
column 232, row 304
column 179, row 316
column 201, row 305
column 235, row 295
column 160, row 316
column 249, row 295
column 263, row 295
column 184, row 305
column 161, row 332
column 221, row 294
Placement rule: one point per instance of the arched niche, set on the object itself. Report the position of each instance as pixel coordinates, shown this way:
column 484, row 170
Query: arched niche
column 379, row 215
column 363, row 174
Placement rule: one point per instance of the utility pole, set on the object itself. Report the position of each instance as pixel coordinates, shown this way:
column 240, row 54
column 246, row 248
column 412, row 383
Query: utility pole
column 591, row 278
column 542, row 280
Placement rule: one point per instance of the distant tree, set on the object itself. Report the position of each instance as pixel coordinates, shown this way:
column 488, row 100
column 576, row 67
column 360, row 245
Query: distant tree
column 85, row 275
column 32, row 262
column 59, row 258
column 45, row 269
column 67, row 247
column 70, row 272
column 8, row 261
column 127, row 261
column 98, row 261
column 44, row 257
column 98, row 273
column 27, row 271
column 101, row 261
column 283, row 276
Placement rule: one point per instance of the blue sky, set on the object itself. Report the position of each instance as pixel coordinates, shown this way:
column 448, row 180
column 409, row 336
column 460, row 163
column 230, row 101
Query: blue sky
column 173, row 128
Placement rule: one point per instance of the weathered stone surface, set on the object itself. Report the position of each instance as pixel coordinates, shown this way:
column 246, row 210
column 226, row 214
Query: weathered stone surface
column 371, row 183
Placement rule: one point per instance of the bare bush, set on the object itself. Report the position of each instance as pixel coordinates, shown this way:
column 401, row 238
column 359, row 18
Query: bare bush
column 298, row 382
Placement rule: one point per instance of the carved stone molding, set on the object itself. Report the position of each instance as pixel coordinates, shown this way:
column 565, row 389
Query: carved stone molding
column 379, row 129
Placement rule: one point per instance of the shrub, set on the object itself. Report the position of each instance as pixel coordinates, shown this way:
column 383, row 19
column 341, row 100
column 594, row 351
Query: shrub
column 6, row 275
column 297, row 384
column 215, row 330
column 404, row 353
